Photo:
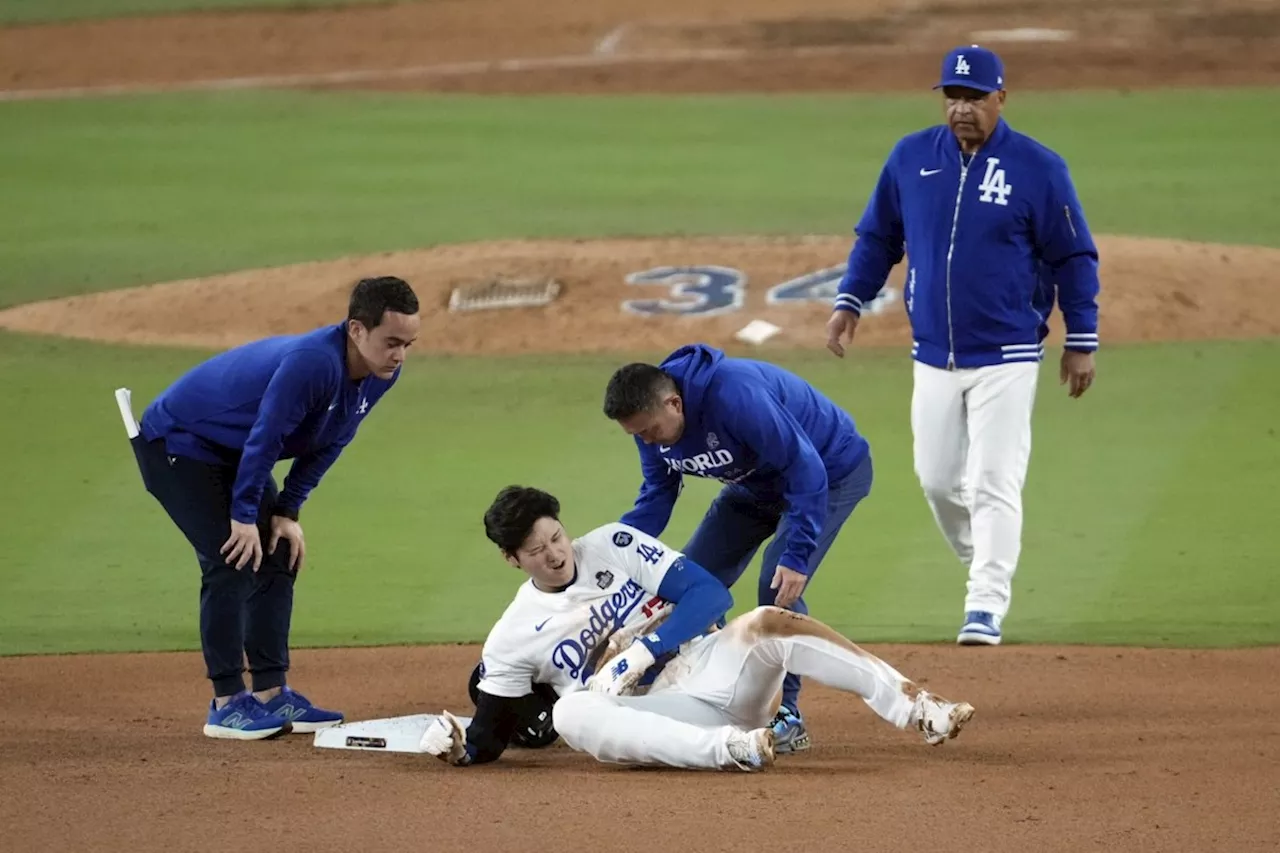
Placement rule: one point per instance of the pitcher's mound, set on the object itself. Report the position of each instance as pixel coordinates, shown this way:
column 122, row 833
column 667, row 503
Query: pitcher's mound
column 650, row 294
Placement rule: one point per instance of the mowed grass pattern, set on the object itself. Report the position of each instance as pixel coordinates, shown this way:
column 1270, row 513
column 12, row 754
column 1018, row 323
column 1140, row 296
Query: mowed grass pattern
column 117, row 192
column 1146, row 504
column 1147, row 500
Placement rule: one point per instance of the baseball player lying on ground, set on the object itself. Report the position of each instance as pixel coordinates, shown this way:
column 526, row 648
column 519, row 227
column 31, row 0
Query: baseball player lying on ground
column 622, row 628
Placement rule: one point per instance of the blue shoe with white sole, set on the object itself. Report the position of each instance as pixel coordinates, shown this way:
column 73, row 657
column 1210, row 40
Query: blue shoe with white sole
column 298, row 710
column 980, row 629
column 789, row 732
column 243, row 718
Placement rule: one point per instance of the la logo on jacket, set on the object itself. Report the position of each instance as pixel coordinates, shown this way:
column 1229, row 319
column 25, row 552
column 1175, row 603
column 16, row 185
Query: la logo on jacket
column 993, row 186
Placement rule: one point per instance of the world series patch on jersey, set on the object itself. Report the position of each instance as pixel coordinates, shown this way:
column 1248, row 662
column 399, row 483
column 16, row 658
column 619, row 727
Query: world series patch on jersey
column 551, row 637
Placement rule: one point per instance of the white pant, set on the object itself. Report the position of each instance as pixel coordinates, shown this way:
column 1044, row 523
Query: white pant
column 726, row 681
column 972, row 432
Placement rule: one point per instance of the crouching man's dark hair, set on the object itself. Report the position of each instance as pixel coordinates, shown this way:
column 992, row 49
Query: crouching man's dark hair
column 636, row 388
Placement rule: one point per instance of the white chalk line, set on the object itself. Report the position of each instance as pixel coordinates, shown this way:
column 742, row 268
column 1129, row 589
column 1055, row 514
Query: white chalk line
column 448, row 69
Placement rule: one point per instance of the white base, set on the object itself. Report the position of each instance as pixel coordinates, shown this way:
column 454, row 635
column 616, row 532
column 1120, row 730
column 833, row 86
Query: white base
column 390, row 734
column 757, row 332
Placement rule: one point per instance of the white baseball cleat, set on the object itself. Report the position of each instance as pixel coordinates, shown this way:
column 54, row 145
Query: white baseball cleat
column 751, row 750
column 937, row 719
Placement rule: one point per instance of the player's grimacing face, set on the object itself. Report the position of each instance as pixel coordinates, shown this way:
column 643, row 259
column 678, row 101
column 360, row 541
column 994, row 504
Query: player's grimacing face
column 663, row 424
column 546, row 555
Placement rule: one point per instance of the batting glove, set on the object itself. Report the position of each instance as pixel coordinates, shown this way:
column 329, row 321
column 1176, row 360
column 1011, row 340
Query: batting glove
column 620, row 675
column 445, row 739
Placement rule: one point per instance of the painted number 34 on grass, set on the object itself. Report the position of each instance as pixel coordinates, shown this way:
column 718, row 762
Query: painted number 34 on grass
column 707, row 290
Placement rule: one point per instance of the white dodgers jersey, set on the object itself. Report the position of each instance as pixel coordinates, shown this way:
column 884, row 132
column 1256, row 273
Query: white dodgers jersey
column 549, row 637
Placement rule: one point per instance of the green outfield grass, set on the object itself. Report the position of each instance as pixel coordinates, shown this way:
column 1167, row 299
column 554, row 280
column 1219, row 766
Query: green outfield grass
column 108, row 193
column 1149, row 525
column 44, row 11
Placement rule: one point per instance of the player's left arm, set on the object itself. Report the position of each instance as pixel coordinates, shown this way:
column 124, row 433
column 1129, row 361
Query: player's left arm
column 698, row 601
column 1067, row 247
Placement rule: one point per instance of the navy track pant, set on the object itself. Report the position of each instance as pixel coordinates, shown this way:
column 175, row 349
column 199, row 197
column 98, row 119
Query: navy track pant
column 243, row 614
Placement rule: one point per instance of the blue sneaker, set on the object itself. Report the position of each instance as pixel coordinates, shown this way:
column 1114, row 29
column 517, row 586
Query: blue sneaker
column 980, row 629
column 789, row 733
column 243, row 718
column 297, row 709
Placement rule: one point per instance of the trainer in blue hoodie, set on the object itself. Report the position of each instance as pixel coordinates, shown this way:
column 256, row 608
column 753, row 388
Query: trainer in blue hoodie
column 206, row 449
column 793, row 464
column 994, row 234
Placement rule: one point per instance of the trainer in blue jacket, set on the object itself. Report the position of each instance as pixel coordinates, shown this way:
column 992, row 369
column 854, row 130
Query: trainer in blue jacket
column 793, row 464
column 206, row 449
column 994, row 234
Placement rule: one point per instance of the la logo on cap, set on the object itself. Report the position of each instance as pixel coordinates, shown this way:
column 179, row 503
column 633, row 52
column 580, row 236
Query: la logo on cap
column 962, row 67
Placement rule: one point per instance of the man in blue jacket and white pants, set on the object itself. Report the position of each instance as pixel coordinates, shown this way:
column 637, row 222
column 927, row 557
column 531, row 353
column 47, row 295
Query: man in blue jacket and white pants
column 995, row 234
column 792, row 461
column 206, row 448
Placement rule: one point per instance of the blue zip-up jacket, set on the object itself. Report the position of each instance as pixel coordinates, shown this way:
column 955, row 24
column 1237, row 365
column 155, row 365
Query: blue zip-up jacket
column 285, row 397
column 992, row 241
column 758, row 425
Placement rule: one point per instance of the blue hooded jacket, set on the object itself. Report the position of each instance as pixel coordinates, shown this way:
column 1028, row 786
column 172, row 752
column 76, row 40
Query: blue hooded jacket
column 756, row 425
column 284, row 397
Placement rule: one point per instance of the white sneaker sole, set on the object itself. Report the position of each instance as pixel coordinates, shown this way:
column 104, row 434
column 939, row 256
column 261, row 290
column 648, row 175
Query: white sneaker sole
column 228, row 733
column 976, row 638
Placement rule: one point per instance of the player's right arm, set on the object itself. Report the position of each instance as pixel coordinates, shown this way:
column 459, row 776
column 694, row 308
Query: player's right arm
column 492, row 726
column 499, row 700
column 658, row 493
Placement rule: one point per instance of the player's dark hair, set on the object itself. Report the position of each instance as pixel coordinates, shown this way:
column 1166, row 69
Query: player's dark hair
column 373, row 297
column 510, row 518
column 636, row 388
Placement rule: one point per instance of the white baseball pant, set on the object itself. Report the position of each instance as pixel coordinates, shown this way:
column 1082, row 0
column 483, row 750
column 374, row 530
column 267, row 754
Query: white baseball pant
column 972, row 444
column 728, row 680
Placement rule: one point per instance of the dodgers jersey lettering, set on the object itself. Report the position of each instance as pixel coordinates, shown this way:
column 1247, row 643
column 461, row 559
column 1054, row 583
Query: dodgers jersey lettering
column 548, row 637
